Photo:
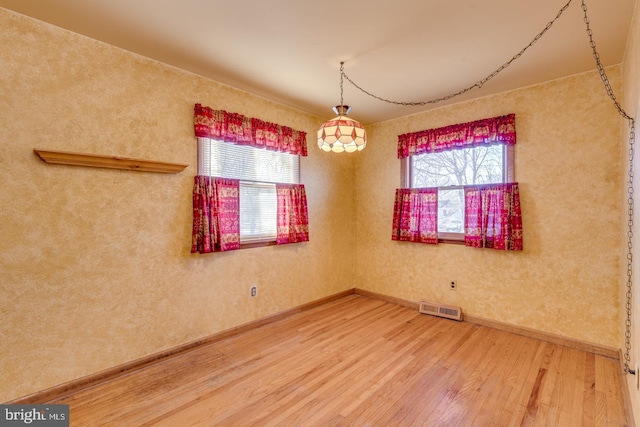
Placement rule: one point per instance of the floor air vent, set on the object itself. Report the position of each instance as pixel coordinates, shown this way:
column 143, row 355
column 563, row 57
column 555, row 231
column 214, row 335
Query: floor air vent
column 441, row 310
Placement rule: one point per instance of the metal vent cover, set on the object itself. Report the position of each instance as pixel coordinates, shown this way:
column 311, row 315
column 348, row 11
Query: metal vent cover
column 441, row 310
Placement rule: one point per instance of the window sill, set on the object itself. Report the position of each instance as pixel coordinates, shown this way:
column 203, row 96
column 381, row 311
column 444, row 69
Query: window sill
column 451, row 241
column 258, row 244
column 451, row 238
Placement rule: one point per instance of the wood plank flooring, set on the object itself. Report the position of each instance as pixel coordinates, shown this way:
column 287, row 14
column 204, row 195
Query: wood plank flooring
column 359, row 361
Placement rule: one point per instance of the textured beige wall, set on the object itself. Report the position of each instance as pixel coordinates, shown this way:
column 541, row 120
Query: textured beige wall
column 567, row 161
column 631, row 104
column 95, row 268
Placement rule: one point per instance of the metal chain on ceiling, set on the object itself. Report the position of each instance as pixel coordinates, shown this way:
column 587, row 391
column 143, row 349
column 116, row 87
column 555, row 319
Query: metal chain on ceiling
column 478, row 84
column 610, row 93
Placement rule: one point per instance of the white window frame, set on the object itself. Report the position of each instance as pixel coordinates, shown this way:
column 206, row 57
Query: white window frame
column 508, row 175
column 205, row 168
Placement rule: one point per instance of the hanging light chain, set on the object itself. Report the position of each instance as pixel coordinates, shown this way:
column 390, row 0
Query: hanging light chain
column 629, row 293
column 342, row 75
column 478, row 84
column 630, row 203
column 600, row 67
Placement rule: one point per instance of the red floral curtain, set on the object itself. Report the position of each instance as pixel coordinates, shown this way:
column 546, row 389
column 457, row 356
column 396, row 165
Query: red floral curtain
column 216, row 214
column 241, row 130
column 293, row 218
column 496, row 130
column 415, row 215
column 492, row 216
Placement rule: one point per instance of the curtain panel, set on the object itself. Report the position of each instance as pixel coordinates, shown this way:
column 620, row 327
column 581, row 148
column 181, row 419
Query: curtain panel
column 492, row 216
column 238, row 129
column 496, row 130
column 415, row 215
column 293, row 218
column 216, row 214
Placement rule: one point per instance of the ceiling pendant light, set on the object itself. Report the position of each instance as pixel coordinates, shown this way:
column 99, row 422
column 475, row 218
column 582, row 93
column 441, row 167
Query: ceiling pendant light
column 342, row 133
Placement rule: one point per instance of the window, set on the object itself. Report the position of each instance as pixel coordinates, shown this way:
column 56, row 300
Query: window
column 258, row 170
column 450, row 171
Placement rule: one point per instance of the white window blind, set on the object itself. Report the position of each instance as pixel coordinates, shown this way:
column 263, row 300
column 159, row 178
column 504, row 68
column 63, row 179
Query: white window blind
column 226, row 160
column 258, row 170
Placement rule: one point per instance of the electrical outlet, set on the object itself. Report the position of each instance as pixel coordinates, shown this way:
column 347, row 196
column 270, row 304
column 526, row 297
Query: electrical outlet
column 453, row 285
column 254, row 291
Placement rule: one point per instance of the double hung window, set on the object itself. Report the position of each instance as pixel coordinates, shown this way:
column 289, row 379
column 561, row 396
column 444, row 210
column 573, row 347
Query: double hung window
column 248, row 187
column 258, row 170
column 450, row 171
column 450, row 164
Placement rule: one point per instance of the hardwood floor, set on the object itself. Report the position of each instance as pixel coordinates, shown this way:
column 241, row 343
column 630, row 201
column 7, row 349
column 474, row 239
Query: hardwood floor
column 359, row 361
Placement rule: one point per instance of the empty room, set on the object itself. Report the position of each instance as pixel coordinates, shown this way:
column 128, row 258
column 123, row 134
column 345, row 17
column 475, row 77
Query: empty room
column 190, row 236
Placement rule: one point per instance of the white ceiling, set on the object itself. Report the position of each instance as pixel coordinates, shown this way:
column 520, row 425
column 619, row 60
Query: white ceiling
column 404, row 50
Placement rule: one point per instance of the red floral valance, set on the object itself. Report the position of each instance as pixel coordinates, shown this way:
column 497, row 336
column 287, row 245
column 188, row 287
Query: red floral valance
column 241, row 130
column 496, row 130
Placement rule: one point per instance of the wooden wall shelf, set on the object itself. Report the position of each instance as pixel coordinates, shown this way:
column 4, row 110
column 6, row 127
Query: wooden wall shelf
column 109, row 162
